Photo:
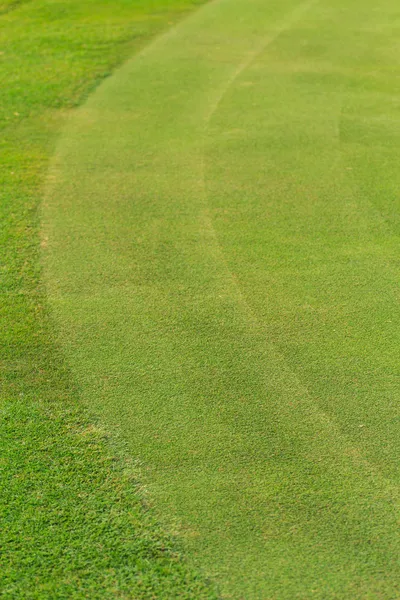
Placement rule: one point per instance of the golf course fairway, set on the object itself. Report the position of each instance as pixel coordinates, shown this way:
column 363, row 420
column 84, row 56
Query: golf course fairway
column 221, row 252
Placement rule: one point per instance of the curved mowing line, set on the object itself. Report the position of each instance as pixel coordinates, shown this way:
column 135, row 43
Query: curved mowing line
column 205, row 172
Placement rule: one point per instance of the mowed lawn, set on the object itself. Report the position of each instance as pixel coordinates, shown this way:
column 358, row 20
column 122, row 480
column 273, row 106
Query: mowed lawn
column 221, row 250
column 75, row 519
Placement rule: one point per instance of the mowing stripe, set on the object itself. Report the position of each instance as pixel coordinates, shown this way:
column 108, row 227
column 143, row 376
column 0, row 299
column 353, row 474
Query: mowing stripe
column 221, row 278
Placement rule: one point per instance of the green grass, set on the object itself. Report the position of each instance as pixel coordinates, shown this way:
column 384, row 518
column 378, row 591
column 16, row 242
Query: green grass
column 221, row 241
column 75, row 520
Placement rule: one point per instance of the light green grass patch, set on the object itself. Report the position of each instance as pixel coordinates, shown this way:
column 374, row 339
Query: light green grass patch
column 221, row 244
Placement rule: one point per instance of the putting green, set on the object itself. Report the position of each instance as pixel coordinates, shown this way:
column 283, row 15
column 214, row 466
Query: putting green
column 221, row 239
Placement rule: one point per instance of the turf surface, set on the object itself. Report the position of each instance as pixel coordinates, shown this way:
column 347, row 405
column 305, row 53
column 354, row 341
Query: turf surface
column 221, row 246
column 74, row 519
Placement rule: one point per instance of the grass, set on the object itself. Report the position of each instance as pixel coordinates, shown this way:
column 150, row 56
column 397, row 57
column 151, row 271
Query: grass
column 221, row 246
column 75, row 521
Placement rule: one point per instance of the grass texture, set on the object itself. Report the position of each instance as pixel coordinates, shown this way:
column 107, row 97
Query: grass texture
column 221, row 242
column 75, row 523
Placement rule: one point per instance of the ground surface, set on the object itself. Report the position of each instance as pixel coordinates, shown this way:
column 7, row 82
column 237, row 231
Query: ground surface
column 221, row 241
column 73, row 524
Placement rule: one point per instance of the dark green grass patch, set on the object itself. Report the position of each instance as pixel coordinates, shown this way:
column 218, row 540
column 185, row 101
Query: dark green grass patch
column 74, row 521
